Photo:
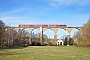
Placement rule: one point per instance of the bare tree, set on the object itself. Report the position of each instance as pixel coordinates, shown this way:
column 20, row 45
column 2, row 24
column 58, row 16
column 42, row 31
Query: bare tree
column 11, row 36
column 25, row 37
column 83, row 36
column 2, row 32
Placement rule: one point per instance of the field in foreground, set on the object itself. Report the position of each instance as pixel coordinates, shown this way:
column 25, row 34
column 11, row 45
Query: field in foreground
column 45, row 53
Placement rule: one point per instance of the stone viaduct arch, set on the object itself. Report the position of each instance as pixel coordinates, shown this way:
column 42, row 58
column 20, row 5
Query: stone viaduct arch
column 43, row 27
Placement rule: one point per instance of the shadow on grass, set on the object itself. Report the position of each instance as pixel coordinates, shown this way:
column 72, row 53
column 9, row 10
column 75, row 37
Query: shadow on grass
column 15, row 47
column 6, row 51
column 7, row 54
column 4, row 54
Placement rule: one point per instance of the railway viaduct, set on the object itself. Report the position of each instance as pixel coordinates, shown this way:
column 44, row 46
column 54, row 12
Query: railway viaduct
column 43, row 27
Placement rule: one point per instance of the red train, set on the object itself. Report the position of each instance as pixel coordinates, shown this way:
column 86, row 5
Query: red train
column 43, row 25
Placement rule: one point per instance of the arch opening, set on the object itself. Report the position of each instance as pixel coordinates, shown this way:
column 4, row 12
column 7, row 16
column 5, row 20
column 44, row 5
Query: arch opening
column 25, row 32
column 35, row 37
column 73, row 32
column 49, row 36
column 62, row 34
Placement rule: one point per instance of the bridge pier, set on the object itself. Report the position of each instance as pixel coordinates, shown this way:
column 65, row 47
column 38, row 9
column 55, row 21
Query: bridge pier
column 30, row 35
column 55, row 30
column 41, row 35
column 30, row 38
column 68, row 38
column 55, row 39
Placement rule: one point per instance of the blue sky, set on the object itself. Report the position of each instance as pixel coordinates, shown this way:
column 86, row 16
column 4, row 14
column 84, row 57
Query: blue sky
column 70, row 12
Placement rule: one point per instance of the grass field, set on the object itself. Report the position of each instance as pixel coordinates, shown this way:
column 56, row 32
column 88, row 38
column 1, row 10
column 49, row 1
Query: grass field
column 45, row 53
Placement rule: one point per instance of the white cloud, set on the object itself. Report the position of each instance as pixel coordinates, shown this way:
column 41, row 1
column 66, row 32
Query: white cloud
column 13, row 11
column 11, row 20
column 56, row 3
column 15, row 20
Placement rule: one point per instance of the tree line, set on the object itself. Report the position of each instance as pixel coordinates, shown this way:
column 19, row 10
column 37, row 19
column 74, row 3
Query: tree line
column 11, row 37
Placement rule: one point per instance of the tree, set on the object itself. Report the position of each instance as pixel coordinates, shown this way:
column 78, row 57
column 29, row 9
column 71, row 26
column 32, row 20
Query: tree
column 25, row 37
column 18, row 39
column 82, row 38
column 2, row 32
column 11, row 33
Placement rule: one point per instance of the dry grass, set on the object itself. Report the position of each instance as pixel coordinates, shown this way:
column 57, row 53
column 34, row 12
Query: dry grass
column 45, row 53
